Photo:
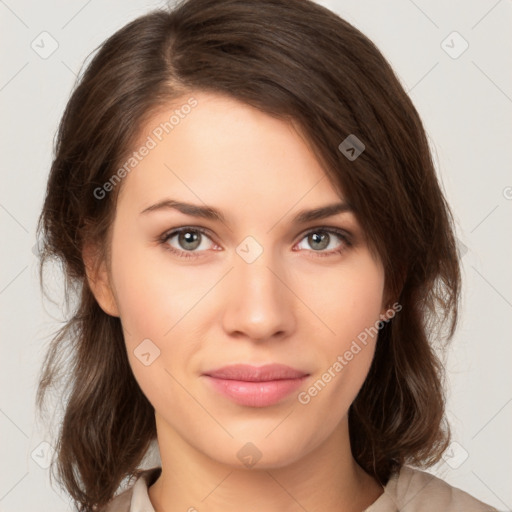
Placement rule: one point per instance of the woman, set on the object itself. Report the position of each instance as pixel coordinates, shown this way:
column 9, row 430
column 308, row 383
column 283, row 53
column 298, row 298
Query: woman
column 243, row 195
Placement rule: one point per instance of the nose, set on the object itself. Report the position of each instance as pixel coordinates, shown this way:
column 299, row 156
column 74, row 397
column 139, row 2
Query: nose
column 260, row 304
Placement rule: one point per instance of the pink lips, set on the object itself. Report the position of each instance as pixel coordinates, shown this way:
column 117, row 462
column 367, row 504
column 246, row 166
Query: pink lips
column 256, row 386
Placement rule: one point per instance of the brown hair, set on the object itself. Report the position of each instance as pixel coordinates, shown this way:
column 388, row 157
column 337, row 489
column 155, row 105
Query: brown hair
column 300, row 62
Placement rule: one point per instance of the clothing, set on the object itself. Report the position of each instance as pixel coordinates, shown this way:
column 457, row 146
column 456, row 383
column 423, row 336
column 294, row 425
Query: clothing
column 410, row 490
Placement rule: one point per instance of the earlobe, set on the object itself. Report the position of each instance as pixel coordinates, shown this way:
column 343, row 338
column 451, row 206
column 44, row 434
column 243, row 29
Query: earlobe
column 98, row 280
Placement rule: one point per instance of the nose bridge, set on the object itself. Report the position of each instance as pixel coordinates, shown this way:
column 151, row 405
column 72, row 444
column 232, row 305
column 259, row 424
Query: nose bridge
column 259, row 304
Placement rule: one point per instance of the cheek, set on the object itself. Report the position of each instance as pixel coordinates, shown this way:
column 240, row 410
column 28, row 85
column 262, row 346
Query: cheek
column 351, row 305
column 156, row 305
column 348, row 302
column 151, row 296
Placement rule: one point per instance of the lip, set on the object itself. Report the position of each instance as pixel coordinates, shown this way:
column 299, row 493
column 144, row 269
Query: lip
column 256, row 386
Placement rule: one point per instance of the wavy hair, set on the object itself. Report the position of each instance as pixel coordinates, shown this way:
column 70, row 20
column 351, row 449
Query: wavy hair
column 299, row 62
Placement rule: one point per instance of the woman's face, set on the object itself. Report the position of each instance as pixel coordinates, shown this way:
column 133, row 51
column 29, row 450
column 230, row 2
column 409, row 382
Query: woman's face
column 261, row 286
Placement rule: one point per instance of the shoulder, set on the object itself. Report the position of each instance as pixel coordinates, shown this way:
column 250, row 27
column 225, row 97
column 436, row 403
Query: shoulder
column 420, row 491
column 120, row 503
column 135, row 498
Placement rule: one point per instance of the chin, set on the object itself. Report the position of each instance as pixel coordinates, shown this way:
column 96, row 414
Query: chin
column 261, row 452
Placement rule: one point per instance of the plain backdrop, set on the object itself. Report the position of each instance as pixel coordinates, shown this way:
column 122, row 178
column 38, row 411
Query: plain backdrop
column 453, row 58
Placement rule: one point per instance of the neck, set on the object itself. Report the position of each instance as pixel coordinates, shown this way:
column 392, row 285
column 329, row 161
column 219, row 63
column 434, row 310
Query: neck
column 327, row 478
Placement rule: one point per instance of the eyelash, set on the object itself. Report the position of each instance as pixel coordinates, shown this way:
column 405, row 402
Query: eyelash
column 344, row 236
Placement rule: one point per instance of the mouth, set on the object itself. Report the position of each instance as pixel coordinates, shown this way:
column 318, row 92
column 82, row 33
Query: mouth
column 254, row 386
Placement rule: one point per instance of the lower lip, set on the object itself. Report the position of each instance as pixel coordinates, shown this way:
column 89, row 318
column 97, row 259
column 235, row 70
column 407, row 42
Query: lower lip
column 256, row 394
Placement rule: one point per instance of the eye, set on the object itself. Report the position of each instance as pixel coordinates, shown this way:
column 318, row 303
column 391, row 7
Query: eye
column 322, row 238
column 189, row 240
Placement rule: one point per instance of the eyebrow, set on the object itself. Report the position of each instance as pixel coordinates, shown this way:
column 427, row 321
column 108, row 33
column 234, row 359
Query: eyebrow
column 208, row 212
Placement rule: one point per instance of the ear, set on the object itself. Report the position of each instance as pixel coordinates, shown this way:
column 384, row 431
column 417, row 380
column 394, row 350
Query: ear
column 98, row 280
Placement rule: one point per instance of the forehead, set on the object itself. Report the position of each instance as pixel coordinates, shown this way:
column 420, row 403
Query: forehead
column 213, row 148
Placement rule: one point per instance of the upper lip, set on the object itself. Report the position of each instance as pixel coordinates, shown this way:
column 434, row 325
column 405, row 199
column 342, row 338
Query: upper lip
column 250, row 373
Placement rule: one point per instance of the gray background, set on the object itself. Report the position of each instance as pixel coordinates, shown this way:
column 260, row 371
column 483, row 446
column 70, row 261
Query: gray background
column 466, row 104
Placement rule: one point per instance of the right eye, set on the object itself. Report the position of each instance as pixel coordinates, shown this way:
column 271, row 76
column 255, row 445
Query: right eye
column 189, row 239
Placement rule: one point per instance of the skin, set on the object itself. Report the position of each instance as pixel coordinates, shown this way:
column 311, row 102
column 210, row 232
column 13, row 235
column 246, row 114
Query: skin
column 292, row 305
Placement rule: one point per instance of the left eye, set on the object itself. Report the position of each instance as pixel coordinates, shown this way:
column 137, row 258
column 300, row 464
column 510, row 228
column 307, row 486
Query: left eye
column 321, row 238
